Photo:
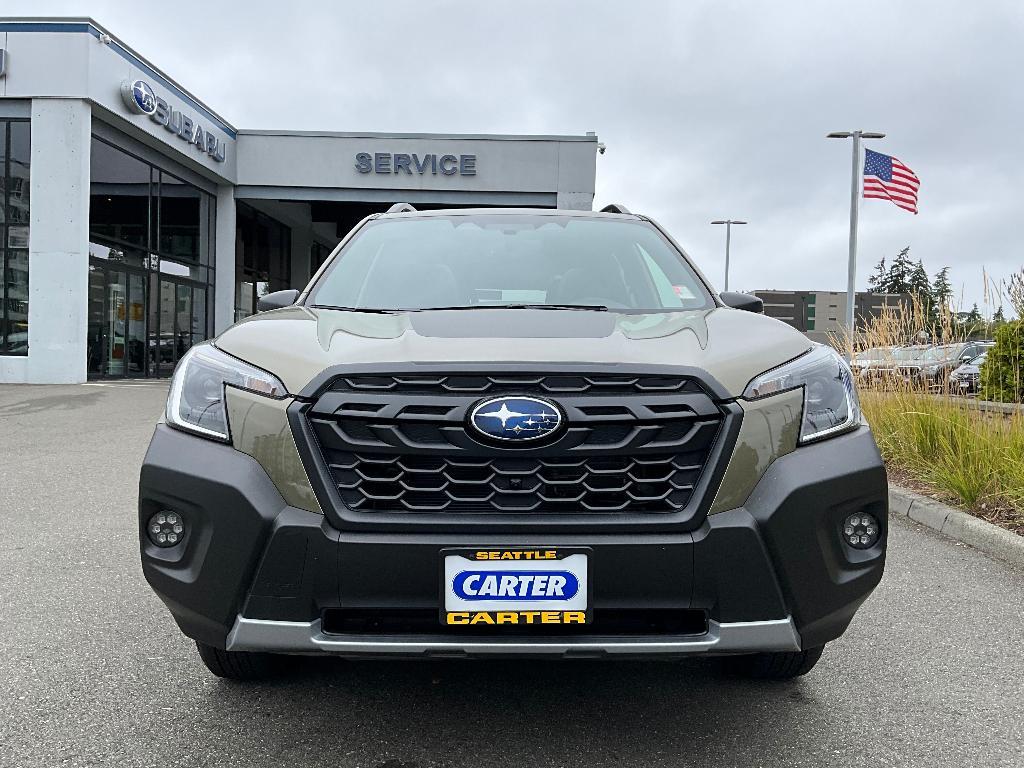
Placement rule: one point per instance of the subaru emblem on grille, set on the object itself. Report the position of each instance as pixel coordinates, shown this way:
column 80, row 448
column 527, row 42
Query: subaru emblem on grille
column 516, row 419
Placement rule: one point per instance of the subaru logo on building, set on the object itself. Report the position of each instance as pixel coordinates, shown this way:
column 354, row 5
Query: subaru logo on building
column 516, row 419
column 138, row 96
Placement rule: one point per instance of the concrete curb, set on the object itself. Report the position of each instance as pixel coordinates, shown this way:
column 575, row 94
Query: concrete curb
column 951, row 522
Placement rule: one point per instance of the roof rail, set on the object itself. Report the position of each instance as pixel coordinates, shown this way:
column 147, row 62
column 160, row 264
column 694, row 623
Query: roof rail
column 615, row 208
column 400, row 208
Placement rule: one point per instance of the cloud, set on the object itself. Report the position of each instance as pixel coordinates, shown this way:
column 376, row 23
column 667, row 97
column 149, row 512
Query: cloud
column 708, row 109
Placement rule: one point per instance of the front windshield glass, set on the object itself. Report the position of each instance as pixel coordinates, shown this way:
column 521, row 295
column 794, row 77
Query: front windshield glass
column 906, row 354
column 939, row 353
column 509, row 259
column 873, row 354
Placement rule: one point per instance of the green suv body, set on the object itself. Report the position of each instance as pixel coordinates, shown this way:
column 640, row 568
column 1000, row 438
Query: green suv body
column 512, row 433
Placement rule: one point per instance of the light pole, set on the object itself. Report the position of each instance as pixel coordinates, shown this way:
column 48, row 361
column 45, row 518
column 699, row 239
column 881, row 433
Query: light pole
column 728, row 239
column 856, row 182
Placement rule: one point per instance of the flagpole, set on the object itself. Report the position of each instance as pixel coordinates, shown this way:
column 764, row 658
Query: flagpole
column 856, row 184
column 857, row 180
column 728, row 239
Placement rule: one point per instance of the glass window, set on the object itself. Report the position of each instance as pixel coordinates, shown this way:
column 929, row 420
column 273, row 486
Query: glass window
column 182, row 320
column 180, row 219
column 317, row 256
column 263, row 246
column 118, row 196
column 15, row 157
column 495, row 259
column 199, row 330
column 151, row 256
column 119, row 254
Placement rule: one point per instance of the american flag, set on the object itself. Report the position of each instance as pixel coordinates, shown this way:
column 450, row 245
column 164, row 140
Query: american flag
column 886, row 178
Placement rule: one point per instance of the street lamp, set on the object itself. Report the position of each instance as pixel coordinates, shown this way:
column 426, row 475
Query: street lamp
column 728, row 238
column 856, row 182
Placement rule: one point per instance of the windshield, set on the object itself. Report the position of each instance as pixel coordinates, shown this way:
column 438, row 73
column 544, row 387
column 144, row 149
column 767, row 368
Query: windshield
column 906, row 354
column 478, row 261
column 875, row 353
column 979, row 359
column 940, row 353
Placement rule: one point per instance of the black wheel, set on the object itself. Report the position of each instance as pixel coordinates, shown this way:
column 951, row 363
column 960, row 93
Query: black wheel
column 238, row 665
column 775, row 666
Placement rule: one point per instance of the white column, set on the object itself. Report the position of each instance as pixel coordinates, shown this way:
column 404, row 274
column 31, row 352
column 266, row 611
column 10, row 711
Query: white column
column 58, row 259
column 574, row 201
column 224, row 256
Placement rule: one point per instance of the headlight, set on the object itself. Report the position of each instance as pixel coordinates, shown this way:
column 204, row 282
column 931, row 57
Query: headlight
column 830, row 401
column 196, row 399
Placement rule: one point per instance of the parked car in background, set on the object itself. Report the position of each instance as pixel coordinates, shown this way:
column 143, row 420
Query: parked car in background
column 939, row 362
column 896, row 366
column 863, row 361
column 966, row 378
column 924, row 366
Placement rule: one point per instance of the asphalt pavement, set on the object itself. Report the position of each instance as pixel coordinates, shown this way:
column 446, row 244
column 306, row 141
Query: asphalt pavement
column 93, row 671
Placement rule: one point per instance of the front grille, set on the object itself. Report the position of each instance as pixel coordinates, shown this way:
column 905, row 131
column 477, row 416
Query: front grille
column 399, row 443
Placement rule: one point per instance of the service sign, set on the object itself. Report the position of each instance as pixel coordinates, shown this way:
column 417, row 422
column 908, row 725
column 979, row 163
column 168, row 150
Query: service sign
column 515, row 587
column 141, row 99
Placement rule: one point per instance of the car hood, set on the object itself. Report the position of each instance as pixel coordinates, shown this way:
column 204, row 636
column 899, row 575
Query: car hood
column 298, row 344
column 967, row 370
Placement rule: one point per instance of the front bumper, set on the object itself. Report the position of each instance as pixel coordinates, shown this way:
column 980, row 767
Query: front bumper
column 308, row 638
column 256, row 574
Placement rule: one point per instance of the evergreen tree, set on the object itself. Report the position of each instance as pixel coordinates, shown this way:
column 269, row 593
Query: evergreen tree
column 1015, row 290
column 942, row 291
column 999, row 318
column 877, row 282
column 900, row 272
column 920, row 286
column 974, row 316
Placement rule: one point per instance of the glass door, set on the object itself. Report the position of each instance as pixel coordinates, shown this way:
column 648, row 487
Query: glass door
column 115, row 322
column 96, row 340
column 166, row 351
column 136, row 326
column 116, row 337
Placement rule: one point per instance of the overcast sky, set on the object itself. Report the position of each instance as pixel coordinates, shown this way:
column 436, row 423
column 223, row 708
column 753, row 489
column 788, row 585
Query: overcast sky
column 708, row 109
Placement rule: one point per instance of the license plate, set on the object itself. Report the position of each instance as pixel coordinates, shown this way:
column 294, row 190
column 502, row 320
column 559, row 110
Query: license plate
column 964, row 384
column 514, row 587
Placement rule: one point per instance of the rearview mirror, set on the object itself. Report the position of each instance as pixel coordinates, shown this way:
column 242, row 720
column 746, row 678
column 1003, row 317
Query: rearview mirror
column 277, row 300
column 745, row 301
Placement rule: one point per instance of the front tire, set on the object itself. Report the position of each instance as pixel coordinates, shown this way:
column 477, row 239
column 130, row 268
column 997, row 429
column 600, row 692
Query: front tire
column 238, row 665
column 783, row 665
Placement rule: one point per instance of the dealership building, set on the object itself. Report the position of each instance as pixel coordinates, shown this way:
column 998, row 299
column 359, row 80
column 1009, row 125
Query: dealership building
column 135, row 221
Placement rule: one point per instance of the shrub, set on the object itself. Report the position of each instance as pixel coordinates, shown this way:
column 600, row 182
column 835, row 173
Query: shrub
column 1002, row 375
column 973, row 458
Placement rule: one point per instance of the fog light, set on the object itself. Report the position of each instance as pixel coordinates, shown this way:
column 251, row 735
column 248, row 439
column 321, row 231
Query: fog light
column 166, row 528
column 860, row 531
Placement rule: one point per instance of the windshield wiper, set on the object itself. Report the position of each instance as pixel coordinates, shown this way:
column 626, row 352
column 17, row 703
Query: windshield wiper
column 371, row 310
column 463, row 307
column 460, row 307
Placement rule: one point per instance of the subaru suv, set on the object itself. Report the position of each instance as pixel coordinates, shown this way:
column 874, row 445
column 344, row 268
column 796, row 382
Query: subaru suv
column 518, row 433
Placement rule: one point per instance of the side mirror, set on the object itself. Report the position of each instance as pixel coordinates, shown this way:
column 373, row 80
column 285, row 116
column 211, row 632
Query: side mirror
column 745, row 301
column 277, row 300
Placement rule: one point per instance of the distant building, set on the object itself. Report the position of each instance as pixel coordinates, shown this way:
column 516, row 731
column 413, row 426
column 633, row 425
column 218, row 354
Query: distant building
column 818, row 313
